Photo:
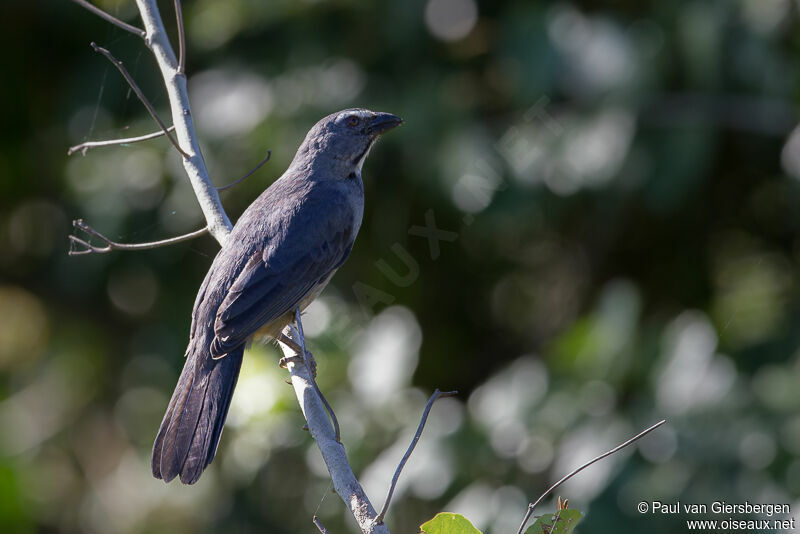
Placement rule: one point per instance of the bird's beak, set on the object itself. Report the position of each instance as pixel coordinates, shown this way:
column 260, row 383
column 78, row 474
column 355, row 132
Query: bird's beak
column 383, row 122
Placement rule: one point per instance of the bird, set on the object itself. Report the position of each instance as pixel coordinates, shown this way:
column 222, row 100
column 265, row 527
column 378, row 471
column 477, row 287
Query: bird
column 277, row 259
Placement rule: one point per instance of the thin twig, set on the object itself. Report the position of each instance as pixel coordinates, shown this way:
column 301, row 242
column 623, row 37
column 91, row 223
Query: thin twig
column 319, row 525
column 336, row 432
column 181, row 39
column 113, row 245
column 532, row 507
column 328, row 408
column 117, row 63
column 436, row 395
column 110, row 18
column 84, row 147
column 248, row 175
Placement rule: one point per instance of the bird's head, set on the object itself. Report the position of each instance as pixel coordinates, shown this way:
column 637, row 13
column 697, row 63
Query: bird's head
column 341, row 141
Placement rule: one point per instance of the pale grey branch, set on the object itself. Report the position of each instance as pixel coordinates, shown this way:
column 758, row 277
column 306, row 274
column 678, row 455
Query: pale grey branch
column 344, row 481
column 175, row 82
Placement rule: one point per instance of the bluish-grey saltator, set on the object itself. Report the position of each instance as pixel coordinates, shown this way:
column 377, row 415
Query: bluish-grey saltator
column 279, row 256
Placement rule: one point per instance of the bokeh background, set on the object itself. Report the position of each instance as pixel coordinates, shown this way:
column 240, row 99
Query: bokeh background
column 618, row 185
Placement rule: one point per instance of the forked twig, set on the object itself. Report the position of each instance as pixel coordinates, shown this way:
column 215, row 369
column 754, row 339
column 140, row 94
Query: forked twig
column 84, row 147
column 181, row 38
column 248, row 175
column 113, row 245
column 532, row 506
column 344, row 481
column 117, row 63
column 436, row 395
column 110, row 18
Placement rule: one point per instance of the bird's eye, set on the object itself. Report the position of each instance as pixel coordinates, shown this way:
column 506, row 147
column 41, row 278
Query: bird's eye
column 352, row 120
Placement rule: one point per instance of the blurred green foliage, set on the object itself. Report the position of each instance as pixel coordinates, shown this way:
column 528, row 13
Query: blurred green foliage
column 620, row 180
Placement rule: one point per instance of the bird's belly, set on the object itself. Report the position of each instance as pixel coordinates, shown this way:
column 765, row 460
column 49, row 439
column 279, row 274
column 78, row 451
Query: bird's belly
column 273, row 329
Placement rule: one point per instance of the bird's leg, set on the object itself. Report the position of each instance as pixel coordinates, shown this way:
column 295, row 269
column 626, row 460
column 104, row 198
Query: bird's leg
column 298, row 349
column 312, row 365
column 289, row 342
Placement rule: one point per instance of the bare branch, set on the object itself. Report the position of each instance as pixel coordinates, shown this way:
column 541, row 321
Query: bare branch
column 84, row 147
column 344, row 481
column 110, row 18
column 175, row 83
column 436, row 395
column 117, row 63
column 181, row 39
column 110, row 245
column 248, row 175
column 155, row 37
column 532, row 506
column 336, row 431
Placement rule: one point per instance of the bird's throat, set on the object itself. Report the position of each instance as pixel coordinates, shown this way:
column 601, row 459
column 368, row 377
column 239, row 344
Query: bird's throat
column 359, row 161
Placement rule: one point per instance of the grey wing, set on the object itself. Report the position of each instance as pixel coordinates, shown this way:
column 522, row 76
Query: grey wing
column 274, row 282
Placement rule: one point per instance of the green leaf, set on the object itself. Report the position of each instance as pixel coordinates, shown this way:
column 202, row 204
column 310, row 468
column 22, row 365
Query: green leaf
column 448, row 523
column 565, row 521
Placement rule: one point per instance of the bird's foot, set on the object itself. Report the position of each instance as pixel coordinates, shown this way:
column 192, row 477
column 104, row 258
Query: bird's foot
column 283, row 362
column 309, row 359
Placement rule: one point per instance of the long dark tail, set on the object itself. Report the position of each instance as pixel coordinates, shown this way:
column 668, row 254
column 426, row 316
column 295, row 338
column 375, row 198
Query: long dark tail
column 189, row 434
